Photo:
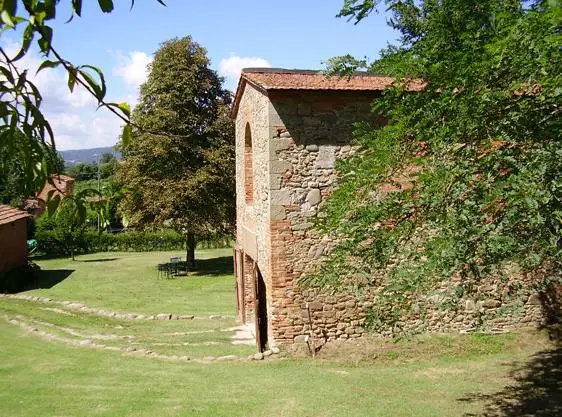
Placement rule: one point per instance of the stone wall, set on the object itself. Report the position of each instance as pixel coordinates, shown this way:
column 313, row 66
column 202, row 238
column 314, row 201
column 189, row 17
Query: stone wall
column 309, row 132
column 249, row 290
column 252, row 214
column 297, row 138
column 496, row 304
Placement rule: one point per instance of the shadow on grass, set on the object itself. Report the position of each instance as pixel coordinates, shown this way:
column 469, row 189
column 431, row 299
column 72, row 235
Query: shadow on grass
column 214, row 266
column 100, row 260
column 537, row 390
column 537, row 387
column 45, row 279
column 31, row 278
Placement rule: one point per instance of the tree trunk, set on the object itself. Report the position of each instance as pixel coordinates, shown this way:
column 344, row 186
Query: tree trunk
column 190, row 244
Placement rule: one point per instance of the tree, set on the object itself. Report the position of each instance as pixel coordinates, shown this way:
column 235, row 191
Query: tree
column 22, row 122
column 184, row 178
column 67, row 216
column 19, row 172
column 480, row 147
column 107, row 165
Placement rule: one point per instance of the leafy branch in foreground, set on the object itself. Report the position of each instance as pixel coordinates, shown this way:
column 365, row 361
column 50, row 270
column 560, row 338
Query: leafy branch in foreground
column 21, row 119
column 465, row 180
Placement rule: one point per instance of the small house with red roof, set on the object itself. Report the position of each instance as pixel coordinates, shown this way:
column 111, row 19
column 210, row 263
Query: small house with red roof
column 13, row 238
column 57, row 184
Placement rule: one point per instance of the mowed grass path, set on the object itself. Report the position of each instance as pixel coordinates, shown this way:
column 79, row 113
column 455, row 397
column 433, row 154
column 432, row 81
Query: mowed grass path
column 428, row 376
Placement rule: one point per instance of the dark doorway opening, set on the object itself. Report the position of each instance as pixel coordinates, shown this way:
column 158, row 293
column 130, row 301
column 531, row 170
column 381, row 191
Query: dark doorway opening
column 261, row 312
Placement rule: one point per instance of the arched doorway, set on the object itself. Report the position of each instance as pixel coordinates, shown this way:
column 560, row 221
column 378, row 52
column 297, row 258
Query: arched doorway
column 260, row 310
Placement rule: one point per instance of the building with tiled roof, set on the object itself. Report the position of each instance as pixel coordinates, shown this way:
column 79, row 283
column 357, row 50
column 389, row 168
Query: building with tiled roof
column 291, row 128
column 58, row 184
column 13, row 238
column 275, row 79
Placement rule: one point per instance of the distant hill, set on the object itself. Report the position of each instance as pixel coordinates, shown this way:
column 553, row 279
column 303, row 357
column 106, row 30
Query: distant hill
column 92, row 155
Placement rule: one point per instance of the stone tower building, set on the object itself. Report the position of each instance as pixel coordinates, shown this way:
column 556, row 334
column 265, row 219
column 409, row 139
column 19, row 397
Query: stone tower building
column 291, row 128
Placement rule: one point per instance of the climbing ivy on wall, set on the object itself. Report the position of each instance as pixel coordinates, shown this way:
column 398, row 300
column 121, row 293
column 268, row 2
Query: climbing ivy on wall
column 466, row 178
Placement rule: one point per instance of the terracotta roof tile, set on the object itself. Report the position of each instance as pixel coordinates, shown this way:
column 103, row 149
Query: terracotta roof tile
column 315, row 81
column 266, row 79
column 9, row 214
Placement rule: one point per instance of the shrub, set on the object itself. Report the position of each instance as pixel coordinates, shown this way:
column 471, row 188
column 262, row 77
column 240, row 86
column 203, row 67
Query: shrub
column 53, row 241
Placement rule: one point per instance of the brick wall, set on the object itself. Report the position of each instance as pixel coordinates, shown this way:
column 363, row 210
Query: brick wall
column 309, row 133
column 13, row 245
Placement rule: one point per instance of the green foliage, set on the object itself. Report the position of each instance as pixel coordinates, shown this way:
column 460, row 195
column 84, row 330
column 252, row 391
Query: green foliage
column 20, row 176
column 23, row 126
column 184, row 177
column 60, row 234
column 85, row 171
column 53, row 241
column 474, row 158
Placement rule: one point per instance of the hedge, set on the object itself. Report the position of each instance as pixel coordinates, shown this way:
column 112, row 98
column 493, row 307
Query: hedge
column 55, row 243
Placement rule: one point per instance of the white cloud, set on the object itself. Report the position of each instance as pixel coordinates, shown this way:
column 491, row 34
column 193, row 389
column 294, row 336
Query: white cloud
column 231, row 68
column 75, row 132
column 133, row 68
column 76, row 122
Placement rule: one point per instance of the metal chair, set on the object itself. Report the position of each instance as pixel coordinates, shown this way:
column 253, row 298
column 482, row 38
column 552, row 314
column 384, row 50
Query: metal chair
column 163, row 269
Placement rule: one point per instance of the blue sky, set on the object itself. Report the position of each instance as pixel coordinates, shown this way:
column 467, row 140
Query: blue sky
column 287, row 34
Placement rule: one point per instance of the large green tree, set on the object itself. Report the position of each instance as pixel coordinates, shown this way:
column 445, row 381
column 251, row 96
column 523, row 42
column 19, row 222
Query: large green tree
column 184, row 177
column 480, row 146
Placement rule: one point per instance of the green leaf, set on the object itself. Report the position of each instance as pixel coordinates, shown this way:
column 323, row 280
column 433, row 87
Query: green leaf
column 123, row 107
column 52, row 203
column 10, row 6
column 77, row 7
column 127, row 135
column 6, row 18
column 7, row 73
column 106, row 5
column 28, row 35
column 100, row 89
column 71, row 79
column 45, row 40
column 47, row 64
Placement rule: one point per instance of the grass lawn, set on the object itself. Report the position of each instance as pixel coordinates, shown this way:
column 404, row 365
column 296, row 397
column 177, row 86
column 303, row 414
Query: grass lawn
column 127, row 282
column 446, row 375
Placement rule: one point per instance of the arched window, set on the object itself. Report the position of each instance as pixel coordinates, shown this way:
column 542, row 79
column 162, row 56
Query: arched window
column 248, row 166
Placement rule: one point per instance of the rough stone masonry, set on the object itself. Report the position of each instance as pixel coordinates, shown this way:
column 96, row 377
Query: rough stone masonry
column 291, row 128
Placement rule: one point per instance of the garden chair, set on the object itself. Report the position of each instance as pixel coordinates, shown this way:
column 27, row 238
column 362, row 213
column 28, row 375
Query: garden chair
column 163, row 269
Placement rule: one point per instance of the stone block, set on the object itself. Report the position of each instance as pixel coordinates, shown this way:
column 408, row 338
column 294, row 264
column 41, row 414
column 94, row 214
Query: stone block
column 314, row 197
column 280, row 144
column 326, row 157
column 469, row 305
column 492, row 303
column 278, row 212
column 280, row 198
column 315, row 305
column 275, row 181
column 534, row 299
column 279, row 167
column 302, row 226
